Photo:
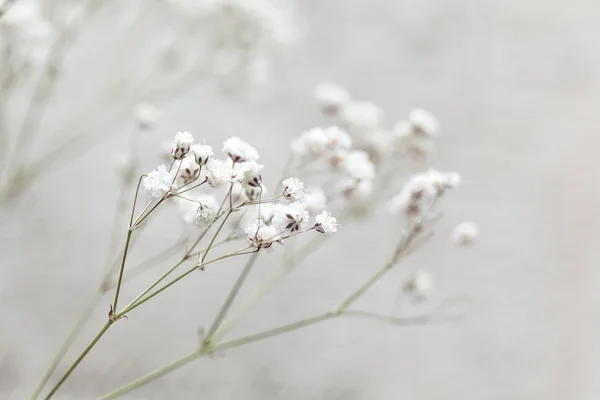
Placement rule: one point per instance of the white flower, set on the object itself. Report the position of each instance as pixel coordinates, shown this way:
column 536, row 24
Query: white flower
column 315, row 200
column 423, row 122
column 255, row 192
column 292, row 217
column 418, row 195
column 207, row 210
column 358, row 165
column 331, row 97
column 356, row 190
column 188, row 171
column 147, row 115
column 253, row 177
column 239, row 150
column 361, row 116
column 202, row 152
column 465, row 233
column 419, row 285
column 181, row 145
column 310, row 145
column 337, row 138
column 326, row 224
column 261, row 235
column 158, row 182
column 410, row 144
column 293, row 189
column 219, row 173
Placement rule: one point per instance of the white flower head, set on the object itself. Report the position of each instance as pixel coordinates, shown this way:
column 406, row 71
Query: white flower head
column 331, row 97
column 261, row 235
column 291, row 218
column 219, row 173
column 423, row 122
column 358, row 165
column 207, row 210
column 310, row 145
column 189, row 170
column 419, row 285
column 314, row 200
column 253, row 193
column 326, row 224
column 202, row 152
column 413, row 146
column 181, row 145
column 337, row 138
column 293, row 189
column 356, row 190
column 147, row 115
column 239, row 151
column 465, row 233
column 361, row 117
column 253, row 177
column 158, row 182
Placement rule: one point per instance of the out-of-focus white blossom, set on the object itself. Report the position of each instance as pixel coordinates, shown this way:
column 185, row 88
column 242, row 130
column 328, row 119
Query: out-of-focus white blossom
column 361, row 117
column 418, row 195
column 291, row 218
column 158, row 182
column 239, row 151
column 202, row 152
column 409, row 144
column 419, row 285
column 207, row 210
column 197, row 208
column 314, row 200
column 147, row 115
column 293, row 189
column 310, row 145
column 423, row 122
column 337, row 138
column 188, row 171
column 326, row 224
column 261, row 235
column 331, row 97
column 219, row 173
column 181, row 145
column 465, row 233
column 358, row 165
column 253, row 177
column 355, row 189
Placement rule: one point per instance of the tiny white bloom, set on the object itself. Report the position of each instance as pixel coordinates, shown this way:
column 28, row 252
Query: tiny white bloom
column 293, row 189
column 315, row 200
column 181, row 145
column 207, row 210
column 202, row 152
column 358, row 165
column 361, row 116
column 419, row 285
column 326, row 224
column 261, row 235
column 337, row 138
column 253, row 177
column 465, row 233
column 331, row 97
column 406, row 142
column 356, row 190
column 292, row 217
column 147, row 115
column 423, row 122
column 219, row 173
column 188, row 171
column 310, row 145
column 239, row 150
column 158, row 182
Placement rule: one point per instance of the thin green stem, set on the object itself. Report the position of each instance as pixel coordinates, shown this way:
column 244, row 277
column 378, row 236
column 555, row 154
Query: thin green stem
column 212, row 241
column 366, row 286
column 79, row 359
column 118, row 290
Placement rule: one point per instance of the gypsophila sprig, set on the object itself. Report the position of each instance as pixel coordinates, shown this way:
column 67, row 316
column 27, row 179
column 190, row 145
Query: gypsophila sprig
column 465, row 233
column 181, row 145
column 239, row 151
column 293, row 189
column 419, row 285
column 202, row 152
column 326, row 224
column 158, row 182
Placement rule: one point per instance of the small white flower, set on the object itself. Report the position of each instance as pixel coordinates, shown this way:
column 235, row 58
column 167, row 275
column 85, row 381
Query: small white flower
column 315, row 200
column 331, row 97
column 147, row 115
column 253, row 177
column 326, row 224
column 207, row 210
column 465, row 233
column 239, row 150
column 260, row 235
column 293, row 189
column 292, row 217
column 202, row 152
column 219, row 173
column 361, row 117
column 188, row 171
column 423, row 122
column 358, row 165
column 310, row 145
column 356, row 190
column 253, row 193
column 158, row 182
column 181, row 145
column 406, row 142
column 419, row 285
column 337, row 138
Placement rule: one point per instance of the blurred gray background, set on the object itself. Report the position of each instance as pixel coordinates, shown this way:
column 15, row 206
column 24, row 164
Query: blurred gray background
column 515, row 85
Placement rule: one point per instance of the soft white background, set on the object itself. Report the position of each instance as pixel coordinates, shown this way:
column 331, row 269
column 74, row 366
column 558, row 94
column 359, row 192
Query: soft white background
column 516, row 86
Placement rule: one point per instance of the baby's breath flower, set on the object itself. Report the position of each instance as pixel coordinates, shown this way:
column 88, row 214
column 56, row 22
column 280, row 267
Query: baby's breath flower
column 315, row 200
column 189, row 170
column 219, row 173
column 423, row 122
column 337, row 139
column 326, row 224
column 406, row 142
column 239, row 150
column 361, row 116
column 207, row 210
column 158, row 182
column 147, row 115
column 253, row 177
column 261, row 235
column 293, row 189
column 355, row 189
column 310, row 145
column 331, row 97
column 202, row 152
column 291, row 218
column 181, row 145
column 465, row 233
column 358, row 165
column 419, row 285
